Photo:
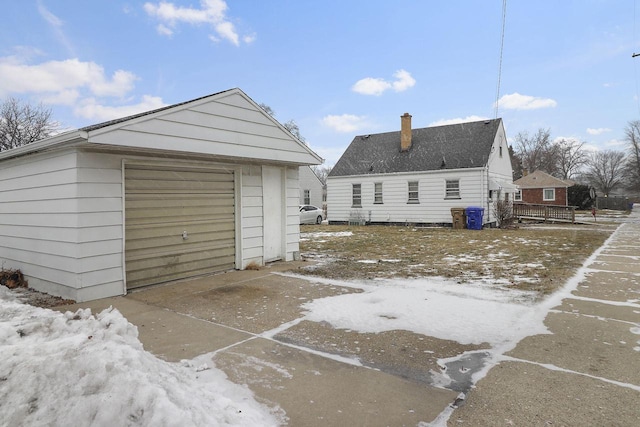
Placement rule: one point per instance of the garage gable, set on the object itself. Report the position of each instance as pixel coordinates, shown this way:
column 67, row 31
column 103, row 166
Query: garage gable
column 227, row 125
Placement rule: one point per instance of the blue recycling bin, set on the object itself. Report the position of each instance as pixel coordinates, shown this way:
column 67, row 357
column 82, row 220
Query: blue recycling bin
column 474, row 217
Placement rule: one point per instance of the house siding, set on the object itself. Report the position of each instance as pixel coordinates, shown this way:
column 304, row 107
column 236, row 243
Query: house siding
column 309, row 181
column 252, row 226
column 39, row 227
column 536, row 196
column 433, row 207
column 292, row 228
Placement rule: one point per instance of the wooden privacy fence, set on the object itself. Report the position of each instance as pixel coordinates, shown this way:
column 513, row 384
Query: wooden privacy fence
column 544, row 212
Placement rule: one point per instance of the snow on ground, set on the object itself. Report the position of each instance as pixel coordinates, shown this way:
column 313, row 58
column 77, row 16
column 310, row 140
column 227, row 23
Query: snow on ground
column 80, row 369
column 470, row 313
column 314, row 236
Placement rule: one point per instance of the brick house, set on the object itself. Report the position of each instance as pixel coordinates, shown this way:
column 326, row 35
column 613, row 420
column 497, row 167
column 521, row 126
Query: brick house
column 543, row 189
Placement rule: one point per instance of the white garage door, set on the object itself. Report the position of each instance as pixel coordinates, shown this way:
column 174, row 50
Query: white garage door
column 179, row 222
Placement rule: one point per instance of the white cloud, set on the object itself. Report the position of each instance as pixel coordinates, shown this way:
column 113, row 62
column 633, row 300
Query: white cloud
column 84, row 86
column 345, row 123
column 615, row 143
column 377, row 86
column 54, row 78
column 597, row 131
column 457, row 120
column 404, row 81
column 212, row 12
column 56, row 25
column 516, row 101
column 90, row 108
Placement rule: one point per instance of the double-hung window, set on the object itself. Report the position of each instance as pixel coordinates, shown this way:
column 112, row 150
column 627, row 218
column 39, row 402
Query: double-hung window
column 518, row 196
column 356, row 196
column 307, row 197
column 413, row 192
column 377, row 193
column 452, row 189
column 549, row 194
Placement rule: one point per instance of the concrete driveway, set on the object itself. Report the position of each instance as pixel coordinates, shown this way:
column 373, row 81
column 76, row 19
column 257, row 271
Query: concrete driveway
column 250, row 324
column 584, row 372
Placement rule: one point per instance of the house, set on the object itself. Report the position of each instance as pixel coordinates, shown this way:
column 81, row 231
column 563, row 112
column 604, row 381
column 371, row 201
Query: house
column 417, row 175
column 541, row 188
column 198, row 187
column 311, row 188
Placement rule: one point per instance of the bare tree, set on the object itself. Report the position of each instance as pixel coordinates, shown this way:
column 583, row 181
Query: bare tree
column 291, row 125
column 632, row 170
column 537, row 151
column 605, row 170
column 322, row 172
column 268, row 109
column 22, row 123
column 570, row 157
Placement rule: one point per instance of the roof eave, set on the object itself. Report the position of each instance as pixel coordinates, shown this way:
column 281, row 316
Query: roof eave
column 67, row 138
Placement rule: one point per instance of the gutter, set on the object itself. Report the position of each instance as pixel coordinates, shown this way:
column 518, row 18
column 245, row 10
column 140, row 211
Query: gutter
column 46, row 144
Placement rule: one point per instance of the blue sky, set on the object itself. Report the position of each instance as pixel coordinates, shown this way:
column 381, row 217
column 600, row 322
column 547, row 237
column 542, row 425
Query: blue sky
column 338, row 68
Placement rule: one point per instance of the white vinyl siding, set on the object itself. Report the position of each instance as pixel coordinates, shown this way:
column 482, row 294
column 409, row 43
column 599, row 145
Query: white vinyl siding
column 432, row 209
column 549, row 194
column 236, row 126
column 310, row 183
column 61, row 223
column 252, row 228
column 292, row 222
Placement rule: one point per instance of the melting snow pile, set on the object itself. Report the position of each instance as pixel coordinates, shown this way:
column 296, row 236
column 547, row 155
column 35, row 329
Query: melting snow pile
column 80, row 369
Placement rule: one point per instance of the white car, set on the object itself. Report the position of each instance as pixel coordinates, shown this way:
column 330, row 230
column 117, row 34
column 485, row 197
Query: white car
column 310, row 214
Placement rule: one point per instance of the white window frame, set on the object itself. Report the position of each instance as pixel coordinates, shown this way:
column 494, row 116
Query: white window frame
column 413, row 195
column 356, row 195
column 307, row 197
column 377, row 193
column 450, row 191
column 544, row 194
column 517, row 196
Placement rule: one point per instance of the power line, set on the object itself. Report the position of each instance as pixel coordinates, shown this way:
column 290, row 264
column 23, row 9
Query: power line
column 504, row 20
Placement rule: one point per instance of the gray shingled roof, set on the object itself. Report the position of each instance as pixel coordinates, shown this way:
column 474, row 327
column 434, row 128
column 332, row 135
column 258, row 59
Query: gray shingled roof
column 464, row 145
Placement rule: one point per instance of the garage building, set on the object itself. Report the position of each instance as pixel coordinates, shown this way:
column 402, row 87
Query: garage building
column 194, row 188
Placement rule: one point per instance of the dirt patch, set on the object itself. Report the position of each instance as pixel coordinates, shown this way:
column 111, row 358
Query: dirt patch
column 536, row 258
column 39, row 299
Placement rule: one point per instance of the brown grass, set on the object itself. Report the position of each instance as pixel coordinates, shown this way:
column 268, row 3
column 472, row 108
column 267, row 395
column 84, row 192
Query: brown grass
column 537, row 258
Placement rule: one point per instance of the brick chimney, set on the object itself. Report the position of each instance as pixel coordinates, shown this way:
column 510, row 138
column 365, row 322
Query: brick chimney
column 405, row 132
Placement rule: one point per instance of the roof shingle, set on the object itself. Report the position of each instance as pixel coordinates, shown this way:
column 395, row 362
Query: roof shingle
column 463, row 145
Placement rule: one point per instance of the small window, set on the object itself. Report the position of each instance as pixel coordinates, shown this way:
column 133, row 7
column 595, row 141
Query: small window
column 307, row 197
column 452, row 189
column 377, row 193
column 413, row 192
column 549, row 194
column 356, row 196
column 506, row 197
column 491, row 193
column 518, row 196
